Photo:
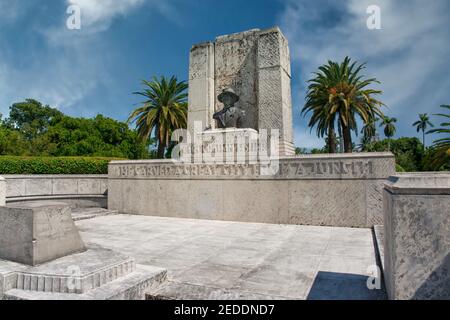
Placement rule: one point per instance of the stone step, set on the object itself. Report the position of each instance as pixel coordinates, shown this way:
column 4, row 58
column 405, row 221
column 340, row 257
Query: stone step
column 76, row 273
column 185, row 291
column 133, row 286
column 90, row 213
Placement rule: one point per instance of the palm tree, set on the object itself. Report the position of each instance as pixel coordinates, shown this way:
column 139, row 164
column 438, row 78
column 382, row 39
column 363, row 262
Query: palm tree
column 369, row 131
column 163, row 111
column 422, row 124
column 439, row 156
column 389, row 128
column 338, row 93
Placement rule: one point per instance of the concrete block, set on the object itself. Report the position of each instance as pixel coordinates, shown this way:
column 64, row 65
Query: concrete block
column 96, row 274
column 36, row 235
column 416, row 236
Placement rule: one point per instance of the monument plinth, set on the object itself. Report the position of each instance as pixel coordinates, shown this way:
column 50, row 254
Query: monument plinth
column 36, row 235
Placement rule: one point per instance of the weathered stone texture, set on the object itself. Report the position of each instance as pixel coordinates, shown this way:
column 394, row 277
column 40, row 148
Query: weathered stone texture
column 96, row 274
column 23, row 186
column 235, row 67
column 417, row 237
column 201, row 85
column 37, row 235
column 256, row 65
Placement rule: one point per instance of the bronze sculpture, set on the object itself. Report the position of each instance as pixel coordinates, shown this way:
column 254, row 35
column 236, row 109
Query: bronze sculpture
column 230, row 116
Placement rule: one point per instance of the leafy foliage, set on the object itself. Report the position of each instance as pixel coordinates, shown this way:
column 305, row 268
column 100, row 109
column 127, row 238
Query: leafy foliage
column 389, row 126
column 422, row 124
column 163, row 111
column 438, row 157
column 339, row 94
column 408, row 152
column 53, row 165
column 31, row 118
column 36, row 130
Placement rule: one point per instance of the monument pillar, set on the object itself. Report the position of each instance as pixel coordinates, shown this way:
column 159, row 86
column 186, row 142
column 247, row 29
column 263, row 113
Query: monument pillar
column 201, row 86
column 274, row 87
column 255, row 65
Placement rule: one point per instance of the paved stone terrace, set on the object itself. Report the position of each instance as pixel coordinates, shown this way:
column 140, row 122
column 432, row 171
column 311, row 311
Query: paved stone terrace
column 234, row 260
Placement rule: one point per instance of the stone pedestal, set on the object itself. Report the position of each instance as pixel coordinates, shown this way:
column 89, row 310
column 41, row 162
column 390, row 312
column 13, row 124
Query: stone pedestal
column 96, row 274
column 36, row 235
column 417, row 237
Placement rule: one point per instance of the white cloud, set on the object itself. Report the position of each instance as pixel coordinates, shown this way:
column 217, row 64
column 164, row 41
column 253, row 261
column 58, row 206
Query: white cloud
column 409, row 55
column 98, row 14
column 54, row 80
column 76, row 61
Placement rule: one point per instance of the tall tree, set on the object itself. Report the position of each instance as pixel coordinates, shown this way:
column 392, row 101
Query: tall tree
column 34, row 129
column 32, row 118
column 389, row 128
column 339, row 93
column 422, row 125
column 439, row 156
column 163, row 111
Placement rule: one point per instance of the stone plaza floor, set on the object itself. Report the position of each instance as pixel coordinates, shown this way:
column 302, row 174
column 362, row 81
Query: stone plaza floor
column 234, row 260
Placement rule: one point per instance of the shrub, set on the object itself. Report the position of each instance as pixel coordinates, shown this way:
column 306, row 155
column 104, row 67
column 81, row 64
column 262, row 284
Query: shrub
column 408, row 152
column 53, row 165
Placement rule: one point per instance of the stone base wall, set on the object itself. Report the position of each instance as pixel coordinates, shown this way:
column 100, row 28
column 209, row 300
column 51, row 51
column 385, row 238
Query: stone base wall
column 22, row 187
column 89, row 190
column 2, row 191
column 417, row 236
column 333, row 190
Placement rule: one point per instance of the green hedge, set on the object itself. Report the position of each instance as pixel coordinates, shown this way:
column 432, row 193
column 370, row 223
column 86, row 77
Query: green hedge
column 53, row 165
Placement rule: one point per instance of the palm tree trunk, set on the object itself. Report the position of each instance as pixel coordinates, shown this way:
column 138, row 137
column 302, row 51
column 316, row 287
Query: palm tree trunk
column 423, row 140
column 348, row 146
column 341, row 139
column 161, row 149
column 331, row 140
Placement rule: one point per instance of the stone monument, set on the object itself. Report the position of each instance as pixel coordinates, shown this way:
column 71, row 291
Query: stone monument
column 252, row 70
column 239, row 107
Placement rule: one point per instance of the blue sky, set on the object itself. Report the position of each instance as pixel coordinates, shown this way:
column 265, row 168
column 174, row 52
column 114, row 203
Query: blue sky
column 95, row 69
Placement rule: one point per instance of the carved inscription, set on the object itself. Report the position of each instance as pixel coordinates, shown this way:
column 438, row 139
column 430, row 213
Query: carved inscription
column 286, row 170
